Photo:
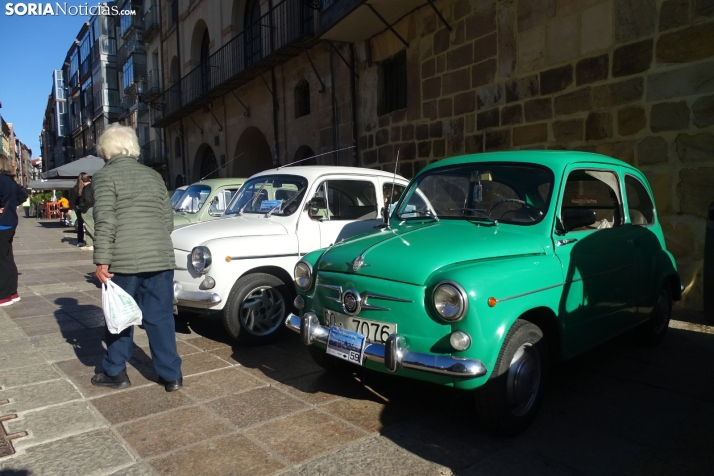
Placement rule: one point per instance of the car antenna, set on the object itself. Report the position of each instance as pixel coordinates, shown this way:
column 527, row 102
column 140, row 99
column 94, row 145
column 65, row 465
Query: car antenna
column 313, row 156
column 391, row 192
column 219, row 168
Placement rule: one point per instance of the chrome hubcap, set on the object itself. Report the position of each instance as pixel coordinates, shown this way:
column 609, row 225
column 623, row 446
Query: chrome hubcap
column 524, row 377
column 262, row 311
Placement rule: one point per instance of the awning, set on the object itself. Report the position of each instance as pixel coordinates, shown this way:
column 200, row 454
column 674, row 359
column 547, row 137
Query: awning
column 56, row 184
column 89, row 164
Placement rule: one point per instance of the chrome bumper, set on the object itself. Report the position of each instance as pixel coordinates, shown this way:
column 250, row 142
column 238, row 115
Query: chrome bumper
column 394, row 354
column 200, row 299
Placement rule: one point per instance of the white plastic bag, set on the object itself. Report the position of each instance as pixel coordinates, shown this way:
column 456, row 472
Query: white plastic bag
column 120, row 309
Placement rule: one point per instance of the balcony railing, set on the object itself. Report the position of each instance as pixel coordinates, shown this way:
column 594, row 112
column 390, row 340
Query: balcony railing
column 151, row 154
column 125, row 104
column 153, row 85
column 276, row 37
column 151, row 22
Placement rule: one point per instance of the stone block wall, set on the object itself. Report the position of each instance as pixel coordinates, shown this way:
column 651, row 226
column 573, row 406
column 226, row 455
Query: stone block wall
column 632, row 79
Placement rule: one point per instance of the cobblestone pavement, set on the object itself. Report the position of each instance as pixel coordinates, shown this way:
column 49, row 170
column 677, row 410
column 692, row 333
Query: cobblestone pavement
column 270, row 410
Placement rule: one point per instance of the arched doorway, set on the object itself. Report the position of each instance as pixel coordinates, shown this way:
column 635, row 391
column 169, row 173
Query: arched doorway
column 206, row 165
column 305, row 152
column 256, row 153
column 253, row 45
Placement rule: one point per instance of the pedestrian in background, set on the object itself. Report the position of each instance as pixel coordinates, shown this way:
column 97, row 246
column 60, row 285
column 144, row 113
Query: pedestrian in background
column 74, row 201
column 11, row 196
column 84, row 207
column 132, row 247
column 26, row 206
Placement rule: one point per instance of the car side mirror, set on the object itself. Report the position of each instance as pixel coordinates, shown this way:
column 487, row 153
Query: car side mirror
column 578, row 217
column 318, row 202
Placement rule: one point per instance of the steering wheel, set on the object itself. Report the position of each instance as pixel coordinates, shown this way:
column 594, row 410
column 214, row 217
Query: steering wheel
column 513, row 200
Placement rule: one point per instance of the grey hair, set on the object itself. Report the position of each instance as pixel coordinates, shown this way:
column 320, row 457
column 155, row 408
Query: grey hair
column 118, row 140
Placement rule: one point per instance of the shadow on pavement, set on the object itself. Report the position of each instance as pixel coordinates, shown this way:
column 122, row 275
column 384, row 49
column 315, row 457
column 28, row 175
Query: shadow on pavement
column 82, row 326
column 619, row 408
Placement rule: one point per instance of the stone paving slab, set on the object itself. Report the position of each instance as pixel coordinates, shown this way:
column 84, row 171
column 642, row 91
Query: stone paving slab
column 54, row 423
column 28, row 375
column 39, row 395
column 88, row 453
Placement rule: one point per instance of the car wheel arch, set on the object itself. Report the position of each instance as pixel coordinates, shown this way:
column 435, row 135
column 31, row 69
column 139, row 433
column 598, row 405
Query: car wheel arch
column 276, row 271
column 547, row 321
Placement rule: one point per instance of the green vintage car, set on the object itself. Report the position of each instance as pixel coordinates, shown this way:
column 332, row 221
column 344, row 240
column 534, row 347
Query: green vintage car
column 489, row 266
column 205, row 200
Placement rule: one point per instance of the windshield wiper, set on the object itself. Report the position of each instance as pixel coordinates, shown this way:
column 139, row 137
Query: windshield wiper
column 475, row 210
column 282, row 206
column 255, row 197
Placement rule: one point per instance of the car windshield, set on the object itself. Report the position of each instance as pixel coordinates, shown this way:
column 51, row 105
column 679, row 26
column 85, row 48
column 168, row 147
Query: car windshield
column 176, row 196
column 515, row 193
column 279, row 195
column 193, row 199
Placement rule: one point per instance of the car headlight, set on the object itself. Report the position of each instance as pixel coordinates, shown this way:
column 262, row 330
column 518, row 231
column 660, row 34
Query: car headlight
column 450, row 301
column 303, row 275
column 201, row 259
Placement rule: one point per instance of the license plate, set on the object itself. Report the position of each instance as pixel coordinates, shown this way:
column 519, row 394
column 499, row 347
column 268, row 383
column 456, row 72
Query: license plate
column 375, row 331
column 346, row 345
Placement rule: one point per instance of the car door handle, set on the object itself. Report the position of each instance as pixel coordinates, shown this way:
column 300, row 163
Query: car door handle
column 565, row 242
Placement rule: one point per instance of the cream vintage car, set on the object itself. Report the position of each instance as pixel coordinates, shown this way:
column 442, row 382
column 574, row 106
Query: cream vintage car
column 242, row 264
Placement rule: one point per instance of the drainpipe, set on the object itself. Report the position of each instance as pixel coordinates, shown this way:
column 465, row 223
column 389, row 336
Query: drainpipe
column 353, row 98
column 181, row 130
column 335, row 137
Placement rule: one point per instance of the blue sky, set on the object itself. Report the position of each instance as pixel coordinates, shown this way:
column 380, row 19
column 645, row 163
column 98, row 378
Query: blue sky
column 30, row 48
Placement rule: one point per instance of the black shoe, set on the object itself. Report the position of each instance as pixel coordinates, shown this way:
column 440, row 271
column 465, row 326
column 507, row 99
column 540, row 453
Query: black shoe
column 104, row 380
column 171, row 385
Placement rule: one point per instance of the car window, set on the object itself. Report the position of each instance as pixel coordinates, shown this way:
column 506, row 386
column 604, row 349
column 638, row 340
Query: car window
column 510, row 193
column 387, row 188
column 220, row 201
column 275, row 195
column 591, row 201
column 341, row 200
column 193, row 199
column 639, row 202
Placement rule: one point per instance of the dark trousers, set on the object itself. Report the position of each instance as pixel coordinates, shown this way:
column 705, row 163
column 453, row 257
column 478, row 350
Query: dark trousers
column 80, row 228
column 154, row 294
column 8, row 270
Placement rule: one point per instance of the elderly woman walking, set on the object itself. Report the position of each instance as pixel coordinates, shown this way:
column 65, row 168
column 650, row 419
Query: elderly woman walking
column 132, row 247
column 11, row 196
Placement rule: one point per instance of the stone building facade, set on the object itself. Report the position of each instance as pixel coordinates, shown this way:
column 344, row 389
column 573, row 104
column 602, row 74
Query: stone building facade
column 632, row 79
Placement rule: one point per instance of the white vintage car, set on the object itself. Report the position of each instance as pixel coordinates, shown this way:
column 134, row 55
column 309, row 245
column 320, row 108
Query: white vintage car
column 243, row 263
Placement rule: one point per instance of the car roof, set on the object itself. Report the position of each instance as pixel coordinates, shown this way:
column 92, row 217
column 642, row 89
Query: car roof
column 221, row 181
column 311, row 172
column 556, row 160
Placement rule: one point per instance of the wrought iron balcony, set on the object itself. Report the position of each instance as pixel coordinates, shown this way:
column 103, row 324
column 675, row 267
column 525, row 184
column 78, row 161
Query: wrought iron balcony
column 125, row 104
column 151, row 22
column 153, row 85
column 152, row 154
column 278, row 36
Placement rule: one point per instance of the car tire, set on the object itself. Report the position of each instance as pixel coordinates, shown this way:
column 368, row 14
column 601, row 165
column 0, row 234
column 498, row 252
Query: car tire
column 327, row 362
column 256, row 308
column 653, row 331
column 509, row 402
